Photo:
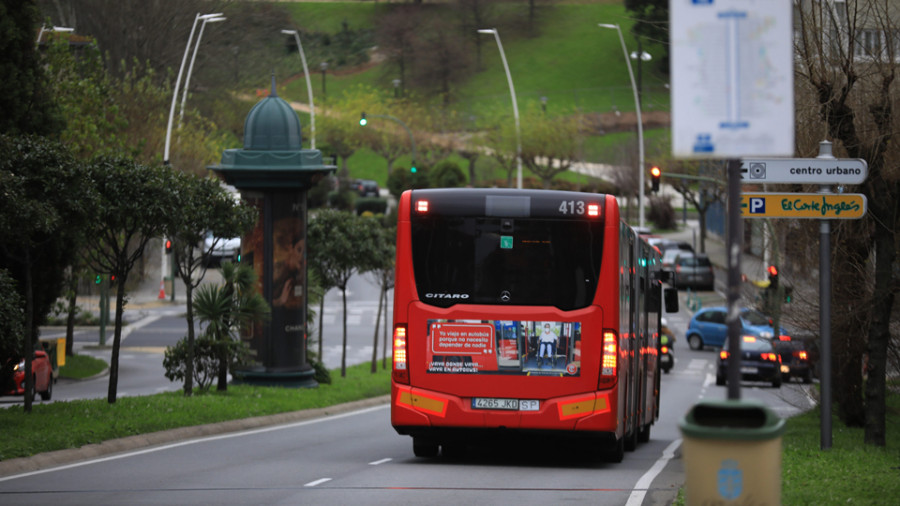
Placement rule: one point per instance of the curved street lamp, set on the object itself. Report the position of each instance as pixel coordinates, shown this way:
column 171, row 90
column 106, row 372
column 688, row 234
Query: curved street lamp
column 187, row 48
column 187, row 79
column 512, row 92
column 312, row 107
column 640, row 124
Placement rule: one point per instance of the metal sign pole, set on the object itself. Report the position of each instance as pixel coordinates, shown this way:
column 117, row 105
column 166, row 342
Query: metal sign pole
column 825, row 314
column 733, row 254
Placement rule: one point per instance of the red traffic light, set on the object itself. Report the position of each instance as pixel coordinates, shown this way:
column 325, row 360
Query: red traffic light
column 168, row 245
column 773, row 271
column 655, row 171
column 655, row 174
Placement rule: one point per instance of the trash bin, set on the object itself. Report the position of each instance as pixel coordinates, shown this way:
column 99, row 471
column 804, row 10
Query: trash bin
column 732, row 453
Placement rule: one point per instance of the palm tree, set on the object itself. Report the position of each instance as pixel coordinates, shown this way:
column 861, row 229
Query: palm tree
column 228, row 310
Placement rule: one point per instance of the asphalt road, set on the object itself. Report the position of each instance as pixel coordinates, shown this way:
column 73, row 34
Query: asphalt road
column 355, row 457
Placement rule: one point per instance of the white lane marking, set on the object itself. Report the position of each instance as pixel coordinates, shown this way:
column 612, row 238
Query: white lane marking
column 377, row 462
column 317, row 482
column 643, row 484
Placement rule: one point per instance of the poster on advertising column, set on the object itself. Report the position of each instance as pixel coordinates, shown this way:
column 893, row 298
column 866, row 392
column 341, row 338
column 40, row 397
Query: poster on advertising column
column 732, row 78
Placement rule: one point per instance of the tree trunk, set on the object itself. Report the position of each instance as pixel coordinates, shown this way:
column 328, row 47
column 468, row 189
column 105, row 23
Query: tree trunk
column 28, row 342
column 344, row 318
column 117, row 341
column 879, row 336
column 189, row 365
column 375, row 337
column 70, row 317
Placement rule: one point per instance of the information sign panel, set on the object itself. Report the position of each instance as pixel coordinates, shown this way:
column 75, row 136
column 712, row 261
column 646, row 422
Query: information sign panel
column 804, row 170
column 845, row 206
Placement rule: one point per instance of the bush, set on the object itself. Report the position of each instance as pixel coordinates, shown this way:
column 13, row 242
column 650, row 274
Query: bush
column 662, row 213
column 447, row 174
column 401, row 179
column 206, row 359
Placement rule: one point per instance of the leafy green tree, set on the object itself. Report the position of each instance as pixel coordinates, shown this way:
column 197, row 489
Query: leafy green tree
column 47, row 199
column 381, row 267
column 12, row 330
column 341, row 244
column 136, row 203
column 550, row 144
column 228, row 310
column 24, row 97
column 204, row 206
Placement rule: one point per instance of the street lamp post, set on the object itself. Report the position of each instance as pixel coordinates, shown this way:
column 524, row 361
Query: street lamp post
column 187, row 47
column 640, row 124
column 512, row 92
column 312, row 107
column 187, row 79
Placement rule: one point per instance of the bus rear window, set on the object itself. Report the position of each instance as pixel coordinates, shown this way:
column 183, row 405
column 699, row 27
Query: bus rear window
column 530, row 261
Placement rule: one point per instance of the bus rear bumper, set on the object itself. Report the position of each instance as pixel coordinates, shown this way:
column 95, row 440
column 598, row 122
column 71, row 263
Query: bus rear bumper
column 419, row 413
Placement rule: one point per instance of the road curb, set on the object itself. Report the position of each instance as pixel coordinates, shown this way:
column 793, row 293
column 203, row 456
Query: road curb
column 58, row 458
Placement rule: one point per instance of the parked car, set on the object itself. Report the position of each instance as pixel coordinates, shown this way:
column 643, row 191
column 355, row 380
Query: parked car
column 708, row 328
column 366, row 187
column 694, row 271
column 224, row 249
column 794, row 358
column 667, row 262
column 759, row 362
column 42, row 372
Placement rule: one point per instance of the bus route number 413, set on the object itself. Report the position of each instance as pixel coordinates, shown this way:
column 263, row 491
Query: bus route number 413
column 508, row 404
column 572, row 207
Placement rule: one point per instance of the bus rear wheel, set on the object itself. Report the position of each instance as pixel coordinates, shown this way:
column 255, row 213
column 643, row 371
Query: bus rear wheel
column 616, row 453
column 424, row 448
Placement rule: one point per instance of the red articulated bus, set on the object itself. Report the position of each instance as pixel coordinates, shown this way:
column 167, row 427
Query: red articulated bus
column 523, row 312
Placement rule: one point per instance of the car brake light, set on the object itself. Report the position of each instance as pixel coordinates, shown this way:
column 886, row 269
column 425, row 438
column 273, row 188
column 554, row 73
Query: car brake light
column 770, row 356
column 800, row 354
column 784, row 338
column 723, row 355
column 400, row 372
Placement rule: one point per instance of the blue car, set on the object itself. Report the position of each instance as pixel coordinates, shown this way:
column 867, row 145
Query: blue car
column 708, row 327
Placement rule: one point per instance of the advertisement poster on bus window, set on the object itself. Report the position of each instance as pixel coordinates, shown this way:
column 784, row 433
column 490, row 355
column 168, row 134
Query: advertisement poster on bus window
column 528, row 348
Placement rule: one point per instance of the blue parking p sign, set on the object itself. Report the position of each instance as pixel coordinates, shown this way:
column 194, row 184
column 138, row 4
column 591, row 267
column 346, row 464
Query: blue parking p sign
column 757, row 206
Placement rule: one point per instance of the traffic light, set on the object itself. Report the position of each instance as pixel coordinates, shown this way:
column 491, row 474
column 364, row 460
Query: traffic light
column 773, row 276
column 412, row 167
column 168, row 246
column 363, row 120
column 655, row 174
column 98, row 279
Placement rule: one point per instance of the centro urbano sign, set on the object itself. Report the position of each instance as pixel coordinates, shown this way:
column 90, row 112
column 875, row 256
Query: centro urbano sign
column 824, row 171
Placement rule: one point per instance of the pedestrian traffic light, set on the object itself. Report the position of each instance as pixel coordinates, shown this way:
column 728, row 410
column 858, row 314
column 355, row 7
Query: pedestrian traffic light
column 168, row 246
column 773, row 276
column 655, row 174
column 98, row 279
column 363, row 120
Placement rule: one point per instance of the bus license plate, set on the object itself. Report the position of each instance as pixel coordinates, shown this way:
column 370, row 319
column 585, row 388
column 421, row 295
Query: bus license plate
column 507, row 404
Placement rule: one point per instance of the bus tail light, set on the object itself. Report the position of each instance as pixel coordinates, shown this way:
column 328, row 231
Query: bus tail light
column 610, row 357
column 400, row 372
column 422, row 206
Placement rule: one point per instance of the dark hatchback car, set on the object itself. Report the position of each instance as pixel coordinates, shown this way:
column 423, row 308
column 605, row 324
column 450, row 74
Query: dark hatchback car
column 759, row 362
column 794, row 359
column 694, row 271
column 366, row 188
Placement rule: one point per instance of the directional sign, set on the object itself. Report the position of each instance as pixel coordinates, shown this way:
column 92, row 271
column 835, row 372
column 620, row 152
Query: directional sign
column 846, row 206
column 804, row 170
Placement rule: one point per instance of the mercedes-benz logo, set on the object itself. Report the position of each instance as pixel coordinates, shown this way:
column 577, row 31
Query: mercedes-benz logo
column 505, row 296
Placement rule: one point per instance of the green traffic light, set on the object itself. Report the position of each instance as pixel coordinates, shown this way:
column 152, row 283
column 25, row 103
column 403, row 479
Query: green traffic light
column 363, row 120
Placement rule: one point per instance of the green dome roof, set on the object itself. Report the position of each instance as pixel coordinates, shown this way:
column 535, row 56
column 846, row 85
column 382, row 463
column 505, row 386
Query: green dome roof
column 272, row 125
